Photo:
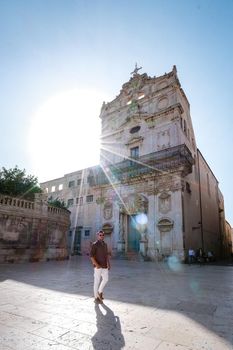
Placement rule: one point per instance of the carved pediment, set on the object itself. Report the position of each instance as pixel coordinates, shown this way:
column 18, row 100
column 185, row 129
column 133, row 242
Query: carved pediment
column 165, row 224
column 134, row 140
column 108, row 209
column 131, row 121
column 107, row 228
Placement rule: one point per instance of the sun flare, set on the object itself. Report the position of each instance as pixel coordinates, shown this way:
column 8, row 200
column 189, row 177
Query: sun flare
column 64, row 134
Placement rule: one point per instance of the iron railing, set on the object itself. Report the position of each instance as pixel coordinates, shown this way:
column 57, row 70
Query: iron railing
column 156, row 162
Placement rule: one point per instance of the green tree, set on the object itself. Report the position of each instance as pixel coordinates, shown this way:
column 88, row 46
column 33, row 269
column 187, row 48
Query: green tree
column 14, row 182
column 57, row 203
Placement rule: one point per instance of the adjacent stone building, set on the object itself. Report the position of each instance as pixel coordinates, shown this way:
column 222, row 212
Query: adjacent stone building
column 153, row 191
column 228, row 242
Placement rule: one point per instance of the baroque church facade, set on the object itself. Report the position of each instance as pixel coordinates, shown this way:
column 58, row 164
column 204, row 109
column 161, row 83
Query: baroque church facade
column 153, row 193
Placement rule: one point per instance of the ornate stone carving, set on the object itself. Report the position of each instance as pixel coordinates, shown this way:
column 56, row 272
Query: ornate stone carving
column 134, row 140
column 151, row 188
column 165, row 224
column 162, row 102
column 176, row 186
column 162, row 85
column 164, row 203
column 107, row 228
column 163, row 139
column 100, row 200
column 164, row 183
column 108, row 210
column 13, row 229
column 134, row 203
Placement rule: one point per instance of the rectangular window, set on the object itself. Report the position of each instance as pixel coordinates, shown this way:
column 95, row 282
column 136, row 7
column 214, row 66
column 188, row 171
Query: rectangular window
column 134, row 152
column 79, row 200
column 70, row 202
column 89, row 198
column 91, row 180
column 60, row 187
column 79, row 182
column 86, row 233
column 53, row 189
column 71, row 183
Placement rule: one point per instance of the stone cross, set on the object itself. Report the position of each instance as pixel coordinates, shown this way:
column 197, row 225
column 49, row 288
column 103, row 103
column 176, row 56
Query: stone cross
column 136, row 69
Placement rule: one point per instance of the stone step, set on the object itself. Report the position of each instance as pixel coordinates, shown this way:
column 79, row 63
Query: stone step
column 133, row 256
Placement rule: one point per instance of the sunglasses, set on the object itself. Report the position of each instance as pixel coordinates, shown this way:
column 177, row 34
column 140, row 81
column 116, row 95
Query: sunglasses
column 101, row 234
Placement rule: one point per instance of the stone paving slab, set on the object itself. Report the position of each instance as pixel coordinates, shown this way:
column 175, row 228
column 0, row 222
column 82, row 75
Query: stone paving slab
column 49, row 305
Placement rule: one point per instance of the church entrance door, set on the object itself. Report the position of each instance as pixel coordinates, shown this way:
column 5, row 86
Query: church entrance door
column 77, row 241
column 133, row 235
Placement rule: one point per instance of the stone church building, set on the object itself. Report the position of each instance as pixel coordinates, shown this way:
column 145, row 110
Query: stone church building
column 153, row 193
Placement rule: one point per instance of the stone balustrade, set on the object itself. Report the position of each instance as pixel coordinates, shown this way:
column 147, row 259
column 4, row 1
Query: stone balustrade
column 16, row 202
column 32, row 230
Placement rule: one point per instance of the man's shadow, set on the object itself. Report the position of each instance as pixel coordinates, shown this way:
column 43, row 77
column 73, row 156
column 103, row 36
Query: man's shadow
column 108, row 335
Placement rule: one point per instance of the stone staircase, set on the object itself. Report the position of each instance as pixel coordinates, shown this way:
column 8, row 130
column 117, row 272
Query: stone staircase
column 132, row 256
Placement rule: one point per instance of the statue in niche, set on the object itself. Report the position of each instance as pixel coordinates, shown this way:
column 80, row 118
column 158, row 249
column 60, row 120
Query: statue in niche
column 108, row 211
column 164, row 203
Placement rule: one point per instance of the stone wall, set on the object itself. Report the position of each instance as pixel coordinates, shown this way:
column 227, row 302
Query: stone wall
column 32, row 230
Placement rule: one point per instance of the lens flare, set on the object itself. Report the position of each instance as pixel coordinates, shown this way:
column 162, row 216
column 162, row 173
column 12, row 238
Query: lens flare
column 174, row 263
column 140, row 222
column 141, row 219
column 194, row 285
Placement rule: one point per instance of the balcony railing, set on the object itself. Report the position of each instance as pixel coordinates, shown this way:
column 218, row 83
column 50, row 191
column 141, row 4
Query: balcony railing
column 156, row 162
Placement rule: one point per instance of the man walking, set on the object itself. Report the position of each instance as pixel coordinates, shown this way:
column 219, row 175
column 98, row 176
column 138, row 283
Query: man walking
column 191, row 256
column 100, row 260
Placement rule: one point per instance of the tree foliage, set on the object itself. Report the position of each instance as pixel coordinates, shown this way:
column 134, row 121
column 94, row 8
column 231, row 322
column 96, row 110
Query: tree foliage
column 14, row 182
column 57, row 203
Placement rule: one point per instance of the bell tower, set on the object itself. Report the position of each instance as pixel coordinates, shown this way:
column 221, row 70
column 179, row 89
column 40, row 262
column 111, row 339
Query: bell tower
column 149, row 115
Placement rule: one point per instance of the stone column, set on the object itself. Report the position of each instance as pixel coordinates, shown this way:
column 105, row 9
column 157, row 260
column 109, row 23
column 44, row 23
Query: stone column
column 143, row 247
column 121, row 241
column 72, row 240
column 143, row 244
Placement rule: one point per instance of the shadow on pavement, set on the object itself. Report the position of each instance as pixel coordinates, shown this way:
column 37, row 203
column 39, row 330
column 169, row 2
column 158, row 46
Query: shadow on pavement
column 201, row 294
column 108, row 329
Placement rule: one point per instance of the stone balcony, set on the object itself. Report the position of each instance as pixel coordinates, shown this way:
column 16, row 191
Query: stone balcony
column 177, row 158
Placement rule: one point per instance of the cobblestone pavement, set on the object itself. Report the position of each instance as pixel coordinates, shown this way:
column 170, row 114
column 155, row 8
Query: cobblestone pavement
column 147, row 306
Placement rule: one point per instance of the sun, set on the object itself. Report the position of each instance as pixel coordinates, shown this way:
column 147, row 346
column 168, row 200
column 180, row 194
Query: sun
column 64, row 134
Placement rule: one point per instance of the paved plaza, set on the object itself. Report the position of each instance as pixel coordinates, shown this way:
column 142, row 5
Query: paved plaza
column 147, row 305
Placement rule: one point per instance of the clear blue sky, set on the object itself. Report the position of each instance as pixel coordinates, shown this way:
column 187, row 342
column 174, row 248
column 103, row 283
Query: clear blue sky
column 51, row 46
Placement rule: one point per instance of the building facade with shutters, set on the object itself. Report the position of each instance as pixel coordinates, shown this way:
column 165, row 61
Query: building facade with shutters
column 153, row 193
